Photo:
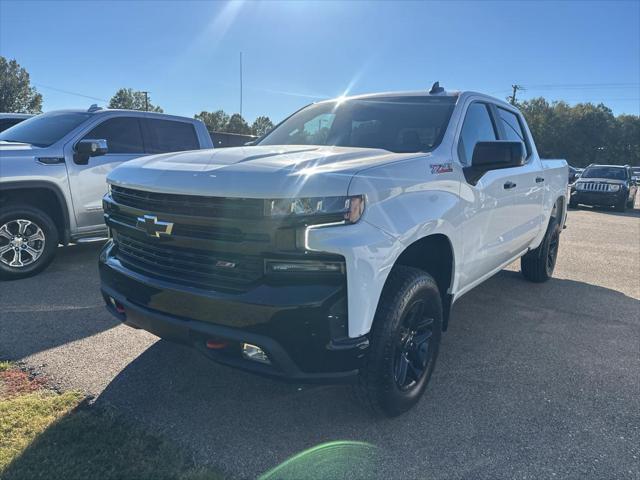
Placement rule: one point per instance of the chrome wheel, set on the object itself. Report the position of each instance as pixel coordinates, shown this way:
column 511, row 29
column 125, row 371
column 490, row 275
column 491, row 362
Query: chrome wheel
column 21, row 243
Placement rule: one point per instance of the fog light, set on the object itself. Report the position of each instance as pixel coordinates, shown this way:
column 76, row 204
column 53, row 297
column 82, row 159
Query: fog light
column 255, row 353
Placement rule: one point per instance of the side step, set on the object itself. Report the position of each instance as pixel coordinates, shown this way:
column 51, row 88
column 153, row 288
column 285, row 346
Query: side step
column 90, row 239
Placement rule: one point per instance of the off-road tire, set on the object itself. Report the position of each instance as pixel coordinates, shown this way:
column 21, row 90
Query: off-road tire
column 38, row 218
column 378, row 386
column 538, row 264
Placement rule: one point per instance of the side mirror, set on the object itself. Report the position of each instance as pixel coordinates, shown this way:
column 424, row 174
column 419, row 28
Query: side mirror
column 495, row 155
column 88, row 148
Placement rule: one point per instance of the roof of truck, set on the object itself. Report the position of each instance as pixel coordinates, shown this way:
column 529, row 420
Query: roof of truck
column 16, row 115
column 421, row 93
column 103, row 111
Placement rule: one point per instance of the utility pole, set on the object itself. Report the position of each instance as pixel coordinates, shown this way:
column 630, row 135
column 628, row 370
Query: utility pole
column 240, row 83
column 512, row 101
column 146, row 101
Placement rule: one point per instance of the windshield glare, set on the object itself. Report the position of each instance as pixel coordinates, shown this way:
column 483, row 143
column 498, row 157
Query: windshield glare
column 44, row 130
column 396, row 124
column 614, row 173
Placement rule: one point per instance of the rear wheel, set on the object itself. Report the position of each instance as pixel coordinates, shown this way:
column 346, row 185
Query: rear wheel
column 405, row 339
column 28, row 241
column 538, row 264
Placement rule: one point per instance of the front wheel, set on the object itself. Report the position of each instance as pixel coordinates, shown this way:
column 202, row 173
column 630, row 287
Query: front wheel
column 631, row 202
column 538, row 264
column 405, row 339
column 28, row 241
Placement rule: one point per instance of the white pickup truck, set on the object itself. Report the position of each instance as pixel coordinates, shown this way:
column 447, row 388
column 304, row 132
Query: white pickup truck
column 335, row 248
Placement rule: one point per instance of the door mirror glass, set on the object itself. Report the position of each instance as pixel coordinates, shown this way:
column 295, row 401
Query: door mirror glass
column 493, row 156
column 88, row 148
column 498, row 154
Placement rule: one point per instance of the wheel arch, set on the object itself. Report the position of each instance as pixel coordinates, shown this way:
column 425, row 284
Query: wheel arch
column 435, row 255
column 43, row 195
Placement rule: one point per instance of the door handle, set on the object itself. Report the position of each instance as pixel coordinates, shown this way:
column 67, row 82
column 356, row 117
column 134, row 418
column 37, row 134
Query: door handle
column 539, row 179
column 509, row 185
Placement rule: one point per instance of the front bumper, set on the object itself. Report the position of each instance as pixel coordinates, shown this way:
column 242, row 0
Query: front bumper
column 598, row 198
column 302, row 327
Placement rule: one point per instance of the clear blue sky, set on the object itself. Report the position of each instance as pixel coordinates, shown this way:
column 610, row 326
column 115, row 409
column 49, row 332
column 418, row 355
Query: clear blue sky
column 186, row 53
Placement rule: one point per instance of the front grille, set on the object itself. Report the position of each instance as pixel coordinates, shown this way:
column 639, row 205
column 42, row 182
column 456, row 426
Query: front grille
column 207, row 232
column 187, row 266
column 194, row 205
column 594, row 187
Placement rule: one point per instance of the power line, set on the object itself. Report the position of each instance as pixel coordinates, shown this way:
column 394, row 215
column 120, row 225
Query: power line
column 571, row 86
column 70, row 93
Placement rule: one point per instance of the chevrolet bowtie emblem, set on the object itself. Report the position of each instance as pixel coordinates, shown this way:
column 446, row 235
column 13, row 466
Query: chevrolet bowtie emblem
column 154, row 227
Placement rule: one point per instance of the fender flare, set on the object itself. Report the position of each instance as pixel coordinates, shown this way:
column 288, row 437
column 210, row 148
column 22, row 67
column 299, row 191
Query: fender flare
column 65, row 229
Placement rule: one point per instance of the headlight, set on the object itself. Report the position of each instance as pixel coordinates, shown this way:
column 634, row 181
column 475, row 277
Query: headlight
column 349, row 209
column 580, row 186
column 614, row 188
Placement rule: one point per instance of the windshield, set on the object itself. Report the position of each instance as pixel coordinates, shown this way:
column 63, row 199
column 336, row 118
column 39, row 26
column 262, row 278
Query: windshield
column 614, row 173
column 396, row 124
column 44, row 130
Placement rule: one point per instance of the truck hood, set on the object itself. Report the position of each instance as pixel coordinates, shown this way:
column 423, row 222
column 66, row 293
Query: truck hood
column 252, row 172
column 11, row 149
column 613, row 181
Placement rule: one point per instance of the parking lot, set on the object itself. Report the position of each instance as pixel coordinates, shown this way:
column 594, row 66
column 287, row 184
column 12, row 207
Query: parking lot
column 533, row 380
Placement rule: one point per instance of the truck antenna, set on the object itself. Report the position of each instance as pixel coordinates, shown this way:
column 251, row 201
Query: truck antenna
column 436, row 88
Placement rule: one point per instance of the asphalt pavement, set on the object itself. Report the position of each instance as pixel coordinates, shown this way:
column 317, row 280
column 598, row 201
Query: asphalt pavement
column 533, row 380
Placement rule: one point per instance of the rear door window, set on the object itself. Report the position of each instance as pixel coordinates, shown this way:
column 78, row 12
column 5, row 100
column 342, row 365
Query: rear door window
column 512, row 127
column 163, row 136
column 122, row 134
column 477, row 127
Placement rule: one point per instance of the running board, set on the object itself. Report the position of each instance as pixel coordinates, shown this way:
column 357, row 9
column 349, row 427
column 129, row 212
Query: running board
column 90, row 239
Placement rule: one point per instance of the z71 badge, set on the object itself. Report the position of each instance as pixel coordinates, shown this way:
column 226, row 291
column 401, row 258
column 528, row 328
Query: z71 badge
column 439, row 168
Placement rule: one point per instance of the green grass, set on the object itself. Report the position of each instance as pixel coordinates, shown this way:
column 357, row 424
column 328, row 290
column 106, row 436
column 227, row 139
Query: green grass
column 47, row 435
column 5, row 366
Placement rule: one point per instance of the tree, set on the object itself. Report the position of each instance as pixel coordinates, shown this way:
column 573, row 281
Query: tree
column 16, row 93
column 215, row 121
column 584, row 133
column 237, row 124
column 261, row 125
column 130, row 99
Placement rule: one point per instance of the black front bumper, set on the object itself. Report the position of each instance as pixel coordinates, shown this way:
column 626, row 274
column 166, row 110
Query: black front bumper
column 301, row 327
column 598, row 198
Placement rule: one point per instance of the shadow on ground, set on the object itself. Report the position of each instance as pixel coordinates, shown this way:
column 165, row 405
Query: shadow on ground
column 533, row 381
column 51, row 309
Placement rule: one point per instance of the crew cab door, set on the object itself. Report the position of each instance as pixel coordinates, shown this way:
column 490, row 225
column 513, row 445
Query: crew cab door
column 88, row 182
column 502, row 208
column 128, row 137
